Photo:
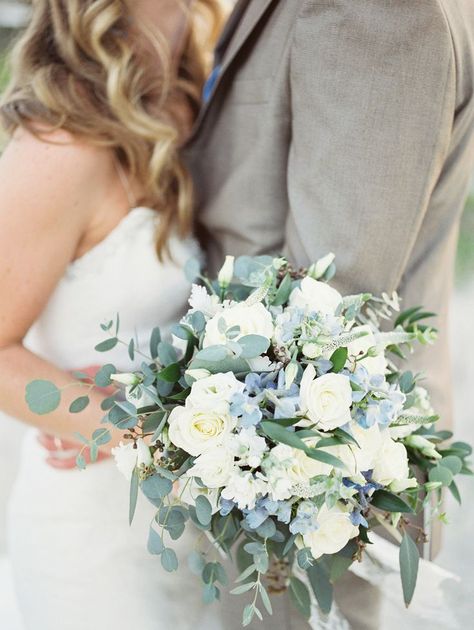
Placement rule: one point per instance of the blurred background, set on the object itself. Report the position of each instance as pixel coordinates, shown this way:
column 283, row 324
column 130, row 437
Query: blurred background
column 458, row 551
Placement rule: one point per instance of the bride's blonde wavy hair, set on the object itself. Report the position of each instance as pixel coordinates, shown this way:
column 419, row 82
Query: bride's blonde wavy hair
column 76, row 68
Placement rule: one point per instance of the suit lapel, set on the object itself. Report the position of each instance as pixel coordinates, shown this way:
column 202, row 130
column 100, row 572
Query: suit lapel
column 241, row 24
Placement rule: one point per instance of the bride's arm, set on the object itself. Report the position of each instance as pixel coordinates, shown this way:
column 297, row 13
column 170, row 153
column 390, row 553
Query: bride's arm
column 50, row 195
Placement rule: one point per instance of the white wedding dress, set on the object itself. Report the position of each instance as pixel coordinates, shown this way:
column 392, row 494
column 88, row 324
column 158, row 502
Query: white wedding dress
column 77, row 564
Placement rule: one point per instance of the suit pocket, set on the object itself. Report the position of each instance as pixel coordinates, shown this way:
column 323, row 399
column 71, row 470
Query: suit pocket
column 250, row 91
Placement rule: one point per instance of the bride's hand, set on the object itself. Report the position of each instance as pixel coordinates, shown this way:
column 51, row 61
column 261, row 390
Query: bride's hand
column 62, row 453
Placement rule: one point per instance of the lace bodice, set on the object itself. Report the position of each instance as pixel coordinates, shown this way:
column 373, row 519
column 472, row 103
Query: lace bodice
column 121, row 274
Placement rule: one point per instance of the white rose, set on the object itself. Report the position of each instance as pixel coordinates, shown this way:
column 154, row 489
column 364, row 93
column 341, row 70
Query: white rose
column 189, row 491
column 196, row 431
column 214, row 390
column 244, row 488
column 391, row 466
column 280, row 485
column 253, row 320
column 315, row 296
column 334, row 532
column 326, row 400
column 359, row 347
column 214, row 467
column 127, row 457
column 370, row 441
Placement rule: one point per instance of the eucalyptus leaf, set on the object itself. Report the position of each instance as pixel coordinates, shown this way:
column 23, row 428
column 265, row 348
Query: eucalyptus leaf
column 212, row 353
column 81, row 462
column 409, row 560
column 155, row 543
column 321, row 586
column 300, row 597
column 305, row 558
column 253, row 346
column 442, row 474
column 133, row 496
column 389, row 502
column 42, row 397
column 169, row 560
column 155, row 340
column 107, row 345
column 283, row 292
column 196, row 562
column 101, row 436
column 79, row 404
column 156, row 487
column 203, row 510
column 102, row 378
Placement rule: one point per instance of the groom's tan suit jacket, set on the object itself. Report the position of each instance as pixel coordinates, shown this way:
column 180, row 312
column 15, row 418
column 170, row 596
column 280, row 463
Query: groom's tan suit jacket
column 344, row 126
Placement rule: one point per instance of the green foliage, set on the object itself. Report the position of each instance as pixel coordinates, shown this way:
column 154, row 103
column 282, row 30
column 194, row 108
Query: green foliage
column 79, row 404
column 409, row 560
column 389, row 502
column 107, row 345
column 42, row 397
column 321, row 586
column 300, row 597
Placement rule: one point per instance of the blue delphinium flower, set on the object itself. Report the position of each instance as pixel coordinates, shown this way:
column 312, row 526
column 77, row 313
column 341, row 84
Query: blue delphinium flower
column 305, row 520
column 226, row 506
column 280, row 509
column 246, row 408
column 264, row 508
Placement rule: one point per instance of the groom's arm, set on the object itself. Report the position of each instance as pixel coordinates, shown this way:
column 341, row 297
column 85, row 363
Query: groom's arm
column 373, row 89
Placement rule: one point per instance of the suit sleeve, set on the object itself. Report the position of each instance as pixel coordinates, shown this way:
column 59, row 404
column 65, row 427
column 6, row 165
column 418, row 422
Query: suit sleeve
column 373, row 91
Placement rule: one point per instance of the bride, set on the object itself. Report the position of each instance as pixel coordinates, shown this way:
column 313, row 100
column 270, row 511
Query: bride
column 94, row 220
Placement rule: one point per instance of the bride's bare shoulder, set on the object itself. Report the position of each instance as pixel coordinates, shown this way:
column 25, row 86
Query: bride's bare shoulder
column 56, row 168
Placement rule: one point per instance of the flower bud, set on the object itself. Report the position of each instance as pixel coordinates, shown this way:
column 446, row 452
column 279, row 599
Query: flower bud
column 422, row 444
column 319, row 268
column 125, row 378
column 311, row 350
column 197, row 374
column 144, row 457
column 227, row 272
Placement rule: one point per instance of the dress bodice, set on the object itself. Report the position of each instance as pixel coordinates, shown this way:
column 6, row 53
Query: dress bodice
column 123, row 275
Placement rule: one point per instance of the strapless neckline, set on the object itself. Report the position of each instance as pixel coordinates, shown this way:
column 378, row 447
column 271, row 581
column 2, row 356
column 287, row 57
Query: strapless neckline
column 133, row 217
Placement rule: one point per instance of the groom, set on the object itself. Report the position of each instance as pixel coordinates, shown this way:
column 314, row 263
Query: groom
column 344, row 126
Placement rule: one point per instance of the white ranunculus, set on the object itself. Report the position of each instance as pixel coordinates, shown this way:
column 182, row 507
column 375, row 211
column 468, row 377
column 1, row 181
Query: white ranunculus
column 374, row 365
column 244, row 488
column 189, row 491
column 391, row 466
column 326, row 400
column 334, row 532
column 127, row 457
column 305, row 468
column 214, row 390
column 214, row 467
column 196, row 431
column 315, row 296
column 252, row 320
column 200, row 300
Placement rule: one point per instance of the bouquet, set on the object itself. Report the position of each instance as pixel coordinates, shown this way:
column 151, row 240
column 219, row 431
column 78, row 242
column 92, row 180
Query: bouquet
column 280, row 425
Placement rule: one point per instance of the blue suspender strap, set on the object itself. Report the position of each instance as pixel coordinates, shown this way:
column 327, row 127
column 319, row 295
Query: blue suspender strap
column 210, row 83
